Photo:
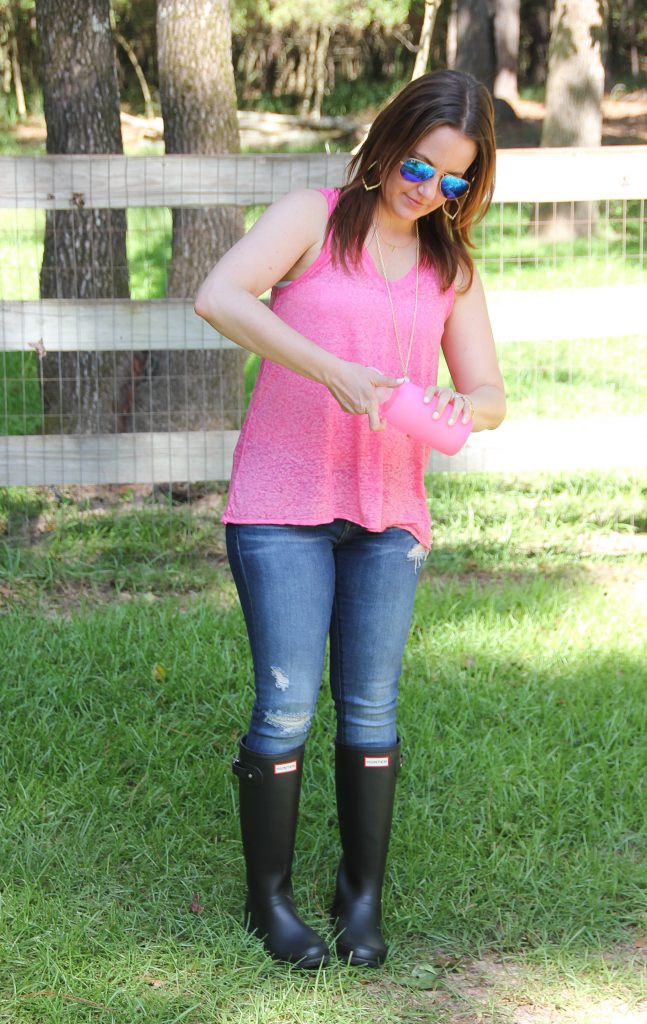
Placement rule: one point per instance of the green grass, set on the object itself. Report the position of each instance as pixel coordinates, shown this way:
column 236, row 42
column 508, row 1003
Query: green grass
column 519, row 843
column 511, row 252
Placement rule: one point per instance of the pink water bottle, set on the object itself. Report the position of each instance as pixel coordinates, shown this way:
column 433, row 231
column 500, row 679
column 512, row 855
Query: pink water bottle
column 406, row 410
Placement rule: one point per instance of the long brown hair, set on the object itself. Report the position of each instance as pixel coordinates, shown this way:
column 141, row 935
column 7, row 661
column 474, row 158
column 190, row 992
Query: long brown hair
column 445, row 97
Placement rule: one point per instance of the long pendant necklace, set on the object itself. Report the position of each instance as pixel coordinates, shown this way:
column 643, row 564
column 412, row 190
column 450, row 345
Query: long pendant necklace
column 403, row 364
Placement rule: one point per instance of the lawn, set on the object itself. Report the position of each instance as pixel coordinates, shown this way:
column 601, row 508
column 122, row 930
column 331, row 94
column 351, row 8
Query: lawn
column 517, row 880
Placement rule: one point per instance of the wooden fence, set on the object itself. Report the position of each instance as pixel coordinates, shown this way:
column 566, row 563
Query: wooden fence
column 61, row 182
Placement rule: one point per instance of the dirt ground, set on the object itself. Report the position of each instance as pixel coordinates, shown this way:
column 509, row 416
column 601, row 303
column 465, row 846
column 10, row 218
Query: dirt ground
column 500, row 990
column 624, row 123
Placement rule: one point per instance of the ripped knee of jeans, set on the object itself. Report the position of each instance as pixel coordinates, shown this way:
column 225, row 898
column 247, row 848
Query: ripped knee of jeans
column 280, row 678
column 289, row 723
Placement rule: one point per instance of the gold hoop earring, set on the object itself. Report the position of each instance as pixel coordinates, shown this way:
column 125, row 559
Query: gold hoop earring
column 454, row 215
column 369, row 188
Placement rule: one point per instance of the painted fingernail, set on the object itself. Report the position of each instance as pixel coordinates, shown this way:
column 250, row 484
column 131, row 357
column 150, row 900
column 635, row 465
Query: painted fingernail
column 426, row 399
column 435, row 415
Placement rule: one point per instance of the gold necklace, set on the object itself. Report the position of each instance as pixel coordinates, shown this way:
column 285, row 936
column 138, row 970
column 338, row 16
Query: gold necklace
column 390, row 245
column 405, row 366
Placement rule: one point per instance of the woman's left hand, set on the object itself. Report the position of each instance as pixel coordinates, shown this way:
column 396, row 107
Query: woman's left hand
column 463, row 404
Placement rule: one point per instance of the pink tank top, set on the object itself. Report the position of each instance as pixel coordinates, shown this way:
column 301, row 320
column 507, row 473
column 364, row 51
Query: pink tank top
column 300, row 459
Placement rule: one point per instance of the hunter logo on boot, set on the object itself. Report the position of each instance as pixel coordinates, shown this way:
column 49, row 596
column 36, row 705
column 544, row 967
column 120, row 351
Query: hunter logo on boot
column 376, row 762
column 287, row 766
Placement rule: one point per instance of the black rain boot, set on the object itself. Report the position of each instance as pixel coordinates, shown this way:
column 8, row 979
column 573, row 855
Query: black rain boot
column 365, row 784
column 269, row 804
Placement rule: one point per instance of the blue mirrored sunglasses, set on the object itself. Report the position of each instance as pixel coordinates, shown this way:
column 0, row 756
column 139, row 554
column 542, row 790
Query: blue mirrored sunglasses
column 418, row 171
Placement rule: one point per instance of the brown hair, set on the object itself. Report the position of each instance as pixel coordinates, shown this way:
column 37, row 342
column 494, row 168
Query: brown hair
column 445, row 97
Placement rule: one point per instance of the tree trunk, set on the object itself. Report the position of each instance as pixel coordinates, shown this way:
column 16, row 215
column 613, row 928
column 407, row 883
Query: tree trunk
column 574, row 91
column 633, row 50
column 85, row 250
column 302, row 69
column 424, row 43
column 14, row 62
column 321, row 57
column 575, row 83
column 194, row 390
column 475, row 50
column 507, row 23
column 286, row 77
column 309, row 82
column 452, row 33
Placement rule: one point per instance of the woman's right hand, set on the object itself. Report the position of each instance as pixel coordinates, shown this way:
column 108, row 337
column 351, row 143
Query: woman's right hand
column 359, row 390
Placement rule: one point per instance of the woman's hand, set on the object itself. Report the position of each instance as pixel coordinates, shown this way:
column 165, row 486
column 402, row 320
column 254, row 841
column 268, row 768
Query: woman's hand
column 462, row 404
column 359, row 390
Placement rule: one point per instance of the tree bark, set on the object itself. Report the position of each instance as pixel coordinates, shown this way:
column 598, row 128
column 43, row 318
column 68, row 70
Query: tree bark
column 633, row 49
column 310, row 58
column 13, row 62
column 575, row 83
column 507, row 24
column 321, row 57
column 424, row 43
column 475, row 49
column 195, row 390
column 574, row 91
column 85, row 250
column 452, row 33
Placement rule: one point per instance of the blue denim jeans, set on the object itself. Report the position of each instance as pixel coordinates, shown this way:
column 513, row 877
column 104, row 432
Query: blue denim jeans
column 299, row 584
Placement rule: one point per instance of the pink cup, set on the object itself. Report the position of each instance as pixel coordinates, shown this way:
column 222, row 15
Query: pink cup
column 406, row 410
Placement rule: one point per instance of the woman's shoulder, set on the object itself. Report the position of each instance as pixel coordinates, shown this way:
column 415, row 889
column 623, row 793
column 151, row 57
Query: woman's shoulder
column 309, row 202
column 298, row 218
column 466, row 276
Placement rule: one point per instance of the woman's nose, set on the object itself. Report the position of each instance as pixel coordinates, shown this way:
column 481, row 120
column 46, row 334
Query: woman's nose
column 429, row 187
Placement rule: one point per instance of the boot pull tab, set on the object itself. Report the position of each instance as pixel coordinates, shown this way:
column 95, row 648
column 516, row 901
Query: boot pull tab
column 247, row 772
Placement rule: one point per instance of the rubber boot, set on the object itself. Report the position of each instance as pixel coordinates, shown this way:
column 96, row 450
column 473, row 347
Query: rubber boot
column 269, row 802
column 365, row 784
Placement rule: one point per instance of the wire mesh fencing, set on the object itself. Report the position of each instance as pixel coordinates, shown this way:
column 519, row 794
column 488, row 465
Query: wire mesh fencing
column 107, row 376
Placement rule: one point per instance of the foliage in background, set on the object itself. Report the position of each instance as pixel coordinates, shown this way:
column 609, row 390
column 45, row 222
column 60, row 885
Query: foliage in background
column 370, row 44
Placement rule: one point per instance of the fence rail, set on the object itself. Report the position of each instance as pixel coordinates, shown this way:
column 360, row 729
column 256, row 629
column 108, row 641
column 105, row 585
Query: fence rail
column 118, row 325
column 117, row 182
column 65, row 182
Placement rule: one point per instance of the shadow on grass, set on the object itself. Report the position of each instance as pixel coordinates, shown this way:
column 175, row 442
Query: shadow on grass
column 92, row 544
column 512, row 760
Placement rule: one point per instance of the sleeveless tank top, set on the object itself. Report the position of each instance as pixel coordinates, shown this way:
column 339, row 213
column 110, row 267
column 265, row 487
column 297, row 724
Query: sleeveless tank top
column 302, row 460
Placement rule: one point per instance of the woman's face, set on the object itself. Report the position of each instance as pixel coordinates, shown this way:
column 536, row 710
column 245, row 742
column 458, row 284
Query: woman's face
column 446, row 149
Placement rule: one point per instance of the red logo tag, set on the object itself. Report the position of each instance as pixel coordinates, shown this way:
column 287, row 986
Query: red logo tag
column 287, row 766
column 376, row 762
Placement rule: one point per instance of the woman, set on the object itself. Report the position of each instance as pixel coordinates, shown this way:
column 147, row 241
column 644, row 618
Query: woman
column 327, row 520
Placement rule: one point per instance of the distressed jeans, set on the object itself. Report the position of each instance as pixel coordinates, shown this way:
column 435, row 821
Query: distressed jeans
column 297, row 586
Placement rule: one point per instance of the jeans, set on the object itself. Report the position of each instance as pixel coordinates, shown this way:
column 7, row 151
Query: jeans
column 298, row 585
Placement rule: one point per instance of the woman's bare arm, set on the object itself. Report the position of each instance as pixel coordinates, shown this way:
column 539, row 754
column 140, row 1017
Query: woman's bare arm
column 283, row 242
column 468, row 346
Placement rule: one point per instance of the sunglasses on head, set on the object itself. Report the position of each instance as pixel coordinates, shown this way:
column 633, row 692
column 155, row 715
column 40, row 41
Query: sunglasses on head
column 451, row 186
